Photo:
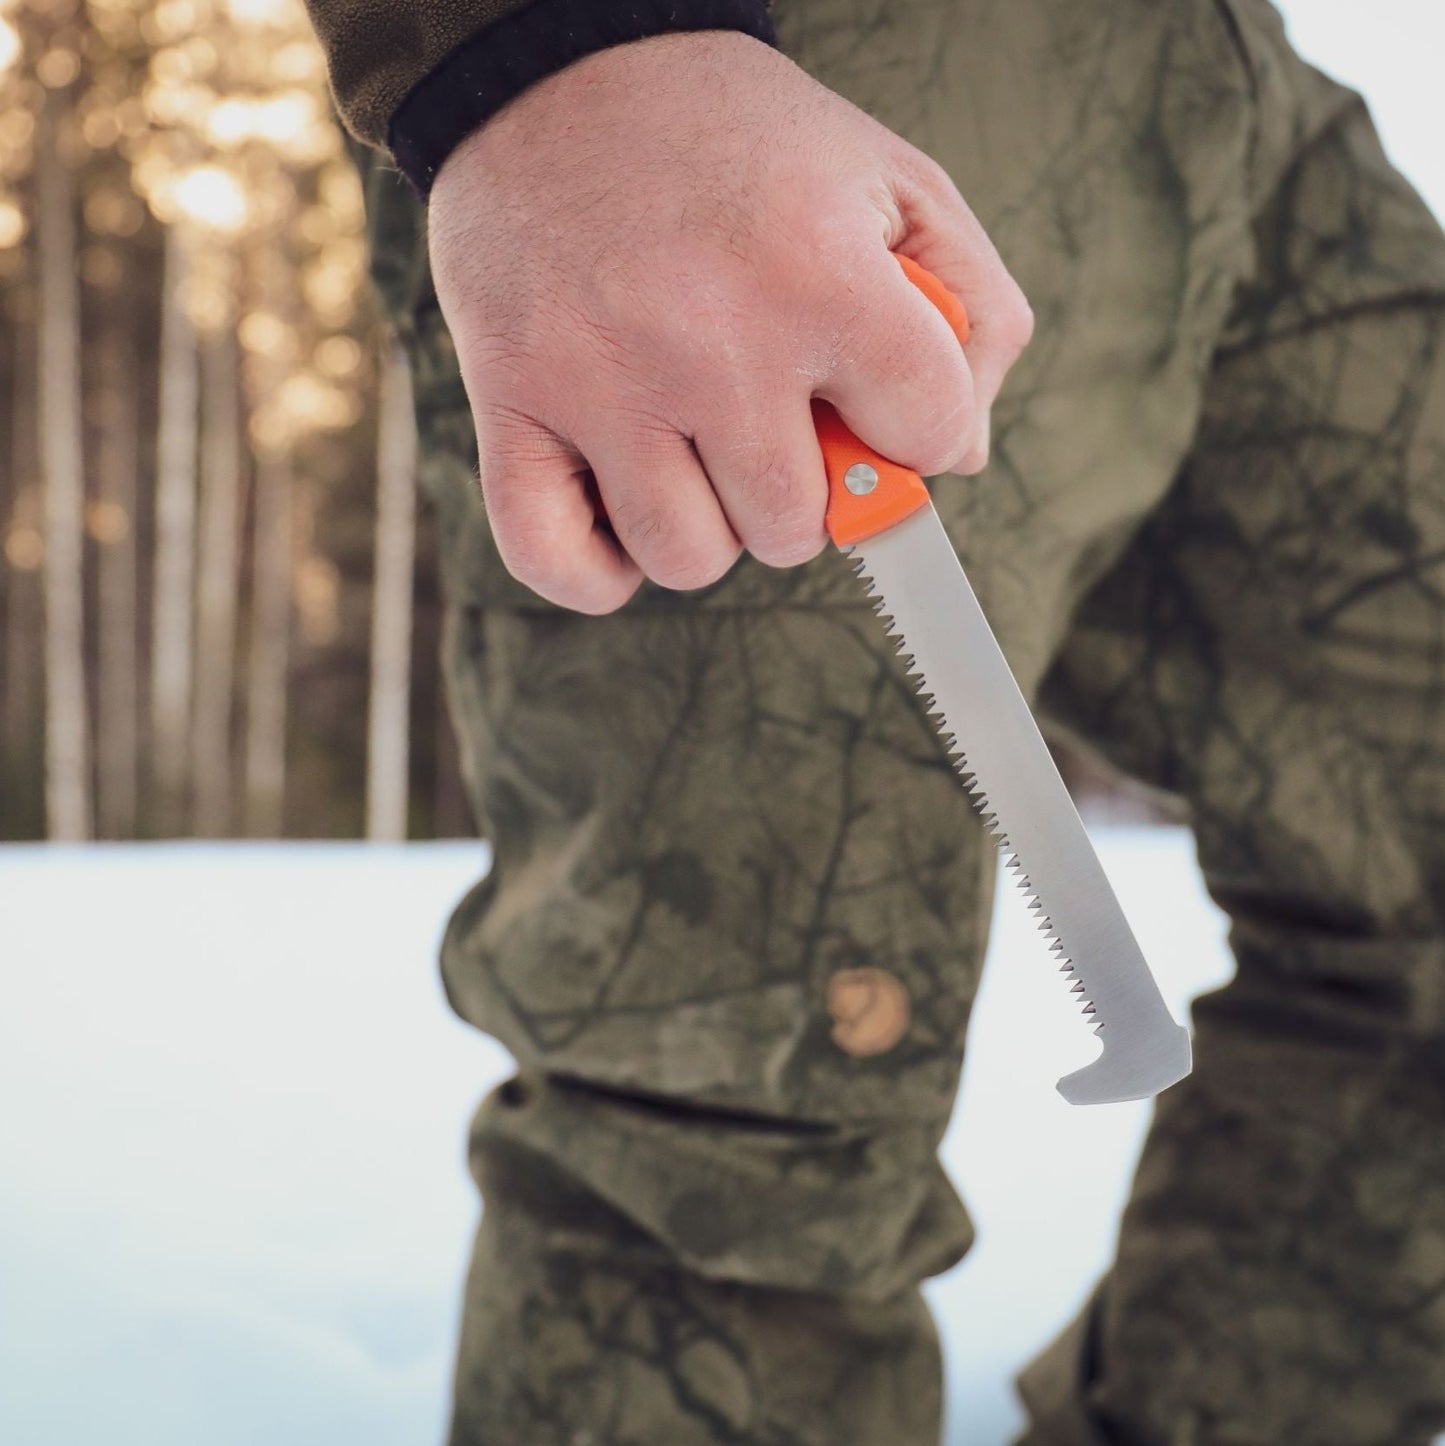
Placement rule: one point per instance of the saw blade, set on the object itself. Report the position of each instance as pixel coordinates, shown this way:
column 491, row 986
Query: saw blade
column 955, row 661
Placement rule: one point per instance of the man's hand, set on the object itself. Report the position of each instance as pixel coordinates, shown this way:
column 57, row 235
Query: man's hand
column 650, row 262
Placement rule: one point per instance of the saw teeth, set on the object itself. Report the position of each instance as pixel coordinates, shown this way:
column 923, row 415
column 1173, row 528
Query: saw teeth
column 975, row 790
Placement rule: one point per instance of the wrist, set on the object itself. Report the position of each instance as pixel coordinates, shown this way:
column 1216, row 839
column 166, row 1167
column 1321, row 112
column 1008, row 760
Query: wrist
column 475, row 80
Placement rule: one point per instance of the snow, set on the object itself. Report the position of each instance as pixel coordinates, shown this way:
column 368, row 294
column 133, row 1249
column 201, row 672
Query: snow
column 233, row 1203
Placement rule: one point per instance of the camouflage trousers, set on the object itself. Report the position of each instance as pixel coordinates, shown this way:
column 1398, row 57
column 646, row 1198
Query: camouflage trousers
column 739, row 902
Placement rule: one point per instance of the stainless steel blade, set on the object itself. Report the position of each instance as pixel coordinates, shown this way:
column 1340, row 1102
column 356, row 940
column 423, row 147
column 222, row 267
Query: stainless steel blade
column 930, row 608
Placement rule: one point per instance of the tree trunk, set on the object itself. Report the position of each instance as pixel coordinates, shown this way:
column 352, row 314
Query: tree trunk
column 387, row 791
column 24, row 624
column 269, row 648
column 172, row 597
column 216, row 599
column 67, row 756
column 118, row 733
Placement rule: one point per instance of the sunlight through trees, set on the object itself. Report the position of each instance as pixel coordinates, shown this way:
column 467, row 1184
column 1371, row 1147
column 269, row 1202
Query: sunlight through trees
column 190, row 373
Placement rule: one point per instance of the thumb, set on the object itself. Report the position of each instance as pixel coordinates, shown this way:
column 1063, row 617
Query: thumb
column 945, row 237
column 901, row 382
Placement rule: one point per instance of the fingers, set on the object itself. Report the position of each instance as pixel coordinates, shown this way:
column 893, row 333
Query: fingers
column 582, row 522
column 548, row 528
column 763, row 459
column 677, row 514
column 662, row 506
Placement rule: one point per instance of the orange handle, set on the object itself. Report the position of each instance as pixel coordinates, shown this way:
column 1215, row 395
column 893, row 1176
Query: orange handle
column 866, row 492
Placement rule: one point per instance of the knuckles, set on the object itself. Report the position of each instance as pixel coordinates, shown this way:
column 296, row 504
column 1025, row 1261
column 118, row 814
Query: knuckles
column 778, row 503
column 663, row 356
column 592, row 589
column 530, row 558
column 667, row 549
column 1015, row 323
column 685, row 570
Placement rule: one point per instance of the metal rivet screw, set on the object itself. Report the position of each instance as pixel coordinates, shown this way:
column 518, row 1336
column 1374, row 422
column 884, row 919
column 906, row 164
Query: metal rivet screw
column 860, row 479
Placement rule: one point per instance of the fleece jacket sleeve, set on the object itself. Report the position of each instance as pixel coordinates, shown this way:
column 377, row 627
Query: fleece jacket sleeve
column 415, row 77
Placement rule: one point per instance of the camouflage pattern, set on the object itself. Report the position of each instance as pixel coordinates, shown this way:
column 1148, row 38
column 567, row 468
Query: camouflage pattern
column 740, row 904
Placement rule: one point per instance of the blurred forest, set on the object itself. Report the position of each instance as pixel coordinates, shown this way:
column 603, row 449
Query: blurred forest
column 204, row 430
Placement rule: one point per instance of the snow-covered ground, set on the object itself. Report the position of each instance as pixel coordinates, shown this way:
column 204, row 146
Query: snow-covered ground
column 233, row 1207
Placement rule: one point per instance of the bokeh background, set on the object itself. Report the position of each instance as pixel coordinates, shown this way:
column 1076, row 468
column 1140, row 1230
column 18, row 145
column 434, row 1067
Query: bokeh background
column 202, row 425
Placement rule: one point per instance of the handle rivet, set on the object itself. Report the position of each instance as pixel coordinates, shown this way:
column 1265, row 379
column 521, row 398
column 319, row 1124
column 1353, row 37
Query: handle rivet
column 860, row 479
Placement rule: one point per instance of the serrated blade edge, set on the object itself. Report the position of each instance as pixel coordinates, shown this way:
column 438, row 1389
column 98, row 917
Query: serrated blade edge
column 936, row 622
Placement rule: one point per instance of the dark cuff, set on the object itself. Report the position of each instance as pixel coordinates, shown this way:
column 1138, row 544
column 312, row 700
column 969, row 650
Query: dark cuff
column 482, row 74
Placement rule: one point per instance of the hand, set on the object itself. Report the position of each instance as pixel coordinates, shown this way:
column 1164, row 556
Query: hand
column 650, row 261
